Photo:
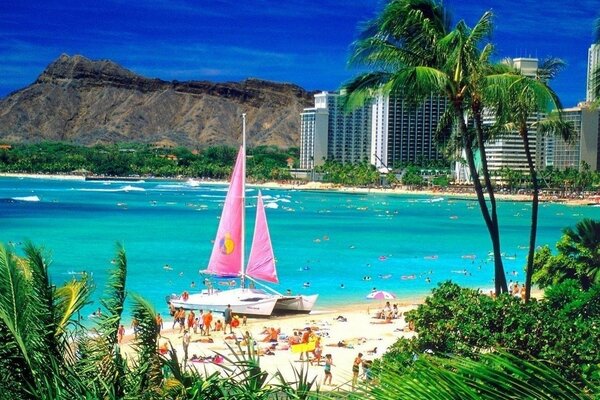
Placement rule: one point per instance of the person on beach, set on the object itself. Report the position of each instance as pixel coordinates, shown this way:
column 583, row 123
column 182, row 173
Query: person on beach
column 317, row 352
column 201, row 321
column 304, row 340
column 134, row 325
column 190, row 320
column 218, row 326
column 120, row 334
column 328, row 364
column 207, row 322
column 186, row 345
column 355, row 369
column 159, row 324
column 228, row 317
column 176, row 317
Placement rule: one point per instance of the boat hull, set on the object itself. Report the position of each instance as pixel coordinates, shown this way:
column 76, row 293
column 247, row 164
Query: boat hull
column 248, row 302
column 295, row 304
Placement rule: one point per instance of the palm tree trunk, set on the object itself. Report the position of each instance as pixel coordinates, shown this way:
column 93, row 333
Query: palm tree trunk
column 499, row 278
column 498, row 264
column 534, row 213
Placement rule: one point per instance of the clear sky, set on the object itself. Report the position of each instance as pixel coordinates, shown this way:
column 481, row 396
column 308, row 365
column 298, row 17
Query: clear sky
column 305, row 42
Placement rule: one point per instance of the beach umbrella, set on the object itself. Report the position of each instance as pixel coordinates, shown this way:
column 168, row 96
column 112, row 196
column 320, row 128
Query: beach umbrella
column 381, row 295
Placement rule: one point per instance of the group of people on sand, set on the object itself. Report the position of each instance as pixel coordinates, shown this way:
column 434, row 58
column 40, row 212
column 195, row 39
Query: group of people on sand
column 388, row 312
column 357, row 364
column 188, row 322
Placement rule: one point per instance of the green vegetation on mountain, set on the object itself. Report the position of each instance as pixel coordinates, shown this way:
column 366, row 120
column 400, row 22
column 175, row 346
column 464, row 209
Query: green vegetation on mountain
column 264, row 162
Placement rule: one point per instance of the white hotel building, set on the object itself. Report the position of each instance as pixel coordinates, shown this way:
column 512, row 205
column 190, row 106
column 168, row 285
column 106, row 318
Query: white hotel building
column 593, row 65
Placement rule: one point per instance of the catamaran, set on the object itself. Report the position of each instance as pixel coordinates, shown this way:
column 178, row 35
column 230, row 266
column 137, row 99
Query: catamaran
column 227, row 259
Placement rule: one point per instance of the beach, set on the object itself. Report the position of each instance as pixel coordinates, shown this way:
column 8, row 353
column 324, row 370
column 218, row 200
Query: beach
column 356, row 326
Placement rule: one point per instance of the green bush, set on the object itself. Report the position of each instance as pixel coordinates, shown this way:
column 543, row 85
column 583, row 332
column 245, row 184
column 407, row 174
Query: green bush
column 563, row 328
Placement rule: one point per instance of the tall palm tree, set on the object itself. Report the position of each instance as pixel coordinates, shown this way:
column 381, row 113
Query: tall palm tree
column 413, row 52
column 516, row 99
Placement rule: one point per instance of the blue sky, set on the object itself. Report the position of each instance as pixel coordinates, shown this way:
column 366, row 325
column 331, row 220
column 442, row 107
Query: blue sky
column 302, row 42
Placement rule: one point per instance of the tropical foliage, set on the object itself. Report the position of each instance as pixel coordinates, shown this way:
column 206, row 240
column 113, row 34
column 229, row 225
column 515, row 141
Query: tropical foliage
column 362, row 174
column 264, row 162
column 458, row 322
column 46, row 354
column 578, row 257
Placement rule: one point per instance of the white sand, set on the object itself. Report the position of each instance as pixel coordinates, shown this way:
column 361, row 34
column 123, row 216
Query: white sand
column 361, row 330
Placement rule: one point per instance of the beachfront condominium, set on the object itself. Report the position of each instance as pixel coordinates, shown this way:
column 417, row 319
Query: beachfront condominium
column 403, row 132
column 507, row 151
column 593, row 70
column 313, row 137
column 328, row 131
column 584, row 148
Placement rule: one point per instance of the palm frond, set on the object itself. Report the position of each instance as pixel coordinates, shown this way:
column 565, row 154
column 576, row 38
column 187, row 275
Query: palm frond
column 103, row 365
column 69, row 300
column 146, row 374
column 493, row 376
column 482, row 30
column 556, row 126
column 363, row 88
column 549, row 68
column 14, row 301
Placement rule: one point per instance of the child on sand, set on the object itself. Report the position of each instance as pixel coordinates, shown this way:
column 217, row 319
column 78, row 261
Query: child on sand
column 328, row 364
column 355, row 368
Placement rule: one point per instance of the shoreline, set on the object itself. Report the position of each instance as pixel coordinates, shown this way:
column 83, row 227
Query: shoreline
column 580, row 200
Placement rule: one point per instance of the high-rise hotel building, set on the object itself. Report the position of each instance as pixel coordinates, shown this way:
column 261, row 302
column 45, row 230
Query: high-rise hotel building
column 592, row 67
column 584, row 146
column 328, row 131
column 403, row 132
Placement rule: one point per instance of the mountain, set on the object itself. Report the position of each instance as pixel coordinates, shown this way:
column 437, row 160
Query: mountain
column 88, row 102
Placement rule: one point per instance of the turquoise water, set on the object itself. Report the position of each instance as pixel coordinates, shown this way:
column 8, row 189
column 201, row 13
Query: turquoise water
column 405, row 243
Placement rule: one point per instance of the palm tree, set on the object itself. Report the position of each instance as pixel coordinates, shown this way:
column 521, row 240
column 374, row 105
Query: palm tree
column 516, row 99
column 37, row 328
column 583, row 246
column 414, row 53
column 578, row 257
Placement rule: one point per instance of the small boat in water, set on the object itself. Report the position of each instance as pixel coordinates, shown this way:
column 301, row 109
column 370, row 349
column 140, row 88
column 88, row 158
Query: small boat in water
column 227, row 260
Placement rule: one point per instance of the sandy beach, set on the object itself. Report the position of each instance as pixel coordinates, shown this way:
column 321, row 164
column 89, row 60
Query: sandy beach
column 361, row 332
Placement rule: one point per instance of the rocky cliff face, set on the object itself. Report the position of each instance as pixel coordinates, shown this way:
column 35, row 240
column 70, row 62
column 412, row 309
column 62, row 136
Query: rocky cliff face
column 89, row 102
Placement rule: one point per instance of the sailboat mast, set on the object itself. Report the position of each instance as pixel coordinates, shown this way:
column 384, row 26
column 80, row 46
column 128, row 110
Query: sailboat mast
column 242, row 279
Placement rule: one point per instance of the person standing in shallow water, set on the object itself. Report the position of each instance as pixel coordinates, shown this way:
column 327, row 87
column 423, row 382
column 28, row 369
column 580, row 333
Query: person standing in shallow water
column 355, row 368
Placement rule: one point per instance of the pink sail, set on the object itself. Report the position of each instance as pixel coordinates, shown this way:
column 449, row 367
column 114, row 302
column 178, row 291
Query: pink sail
column 261, row 263
column 226, row 257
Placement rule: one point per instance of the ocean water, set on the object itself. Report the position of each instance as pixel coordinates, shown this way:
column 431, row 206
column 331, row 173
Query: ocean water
column 405, row 244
